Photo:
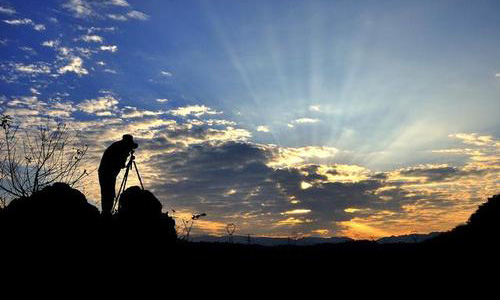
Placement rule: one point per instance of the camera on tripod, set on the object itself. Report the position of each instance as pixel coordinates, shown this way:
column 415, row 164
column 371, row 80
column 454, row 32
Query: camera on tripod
column 131, row 162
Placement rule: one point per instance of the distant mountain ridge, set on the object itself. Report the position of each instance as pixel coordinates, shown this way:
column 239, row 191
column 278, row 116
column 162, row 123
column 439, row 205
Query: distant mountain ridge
column 307, row 241
column 408, row 238
column 268, row 241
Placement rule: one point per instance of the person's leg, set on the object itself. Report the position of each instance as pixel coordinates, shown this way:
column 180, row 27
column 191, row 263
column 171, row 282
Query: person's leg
column 107, row 183
column 112, row 182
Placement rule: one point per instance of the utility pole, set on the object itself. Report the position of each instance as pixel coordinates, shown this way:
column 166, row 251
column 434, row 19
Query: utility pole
column 249, row 238
column 230, row 228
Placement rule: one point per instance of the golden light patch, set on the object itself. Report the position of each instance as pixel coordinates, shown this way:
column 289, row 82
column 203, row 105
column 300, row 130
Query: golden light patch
column 305, row 185
column 294, row 200
column 385, row 188
column 210, row 227
column 292, row 221
column 201, row 225
column 230, row 192
column 263, row 128
column 475, row 139
column 344, row 173
column 296, row 212
column 321, row 231
column 362, row 231
column 291, row 157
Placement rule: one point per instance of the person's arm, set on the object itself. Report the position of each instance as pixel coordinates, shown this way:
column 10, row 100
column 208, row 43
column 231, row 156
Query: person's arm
column 123, row 159
column 126, row 151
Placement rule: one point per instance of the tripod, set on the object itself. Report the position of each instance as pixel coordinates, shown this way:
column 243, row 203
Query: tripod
column 130, row 163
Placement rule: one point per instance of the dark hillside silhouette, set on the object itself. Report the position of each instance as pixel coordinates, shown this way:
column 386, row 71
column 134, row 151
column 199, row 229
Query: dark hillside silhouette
column 481, row 229
column 51, row 220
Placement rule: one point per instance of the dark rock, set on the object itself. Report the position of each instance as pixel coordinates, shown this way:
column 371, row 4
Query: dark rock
column 138, row 203
column 140, row 215
column 59, row 214
column 56, row 209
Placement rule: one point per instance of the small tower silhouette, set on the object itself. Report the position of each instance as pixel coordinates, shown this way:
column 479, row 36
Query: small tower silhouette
column 230, row 228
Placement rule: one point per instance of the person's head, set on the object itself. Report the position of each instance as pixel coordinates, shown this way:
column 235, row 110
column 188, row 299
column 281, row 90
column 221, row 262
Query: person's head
column 129, row 139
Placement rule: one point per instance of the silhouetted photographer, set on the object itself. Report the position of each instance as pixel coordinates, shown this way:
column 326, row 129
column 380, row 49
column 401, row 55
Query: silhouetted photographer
column 113, row 160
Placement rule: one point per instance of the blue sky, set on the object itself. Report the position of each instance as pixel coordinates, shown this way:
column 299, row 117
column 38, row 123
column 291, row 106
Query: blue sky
column 384, row 86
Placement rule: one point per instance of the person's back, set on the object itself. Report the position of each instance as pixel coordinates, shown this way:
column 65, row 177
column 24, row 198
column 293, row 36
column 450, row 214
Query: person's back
column 112, row 161
column 115, row 157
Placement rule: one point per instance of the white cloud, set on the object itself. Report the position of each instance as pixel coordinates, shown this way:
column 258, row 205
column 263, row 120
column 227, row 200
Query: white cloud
column 51, row 43
column 306, row 120
column 117, row 17
column 476, row 139
column 137, row 15
column 21, row 112
column 92, row 38
column 58, row 113
column 286, row 157
column 135, row 113
column 39, row 27
column 64, row 51
column 27, row 107
column 6, row 10
column 98, row 106
column 105, row 113
column 75, row 65
column 228, row 134
column 217, row 122
column 161, row 100
column 86, row 9
column 31, row 101
column 195, row 110
column 85, row 51
column 60, row 106
column 111, row 71
column 166, row 73
column 80, row 8
column 134, row 14
column 314, row 108
column 32, row 68
column 119, row 2
column 497, row 75
column 110, row 48
column 263, row 128
column 29, row 50
column 19, row 22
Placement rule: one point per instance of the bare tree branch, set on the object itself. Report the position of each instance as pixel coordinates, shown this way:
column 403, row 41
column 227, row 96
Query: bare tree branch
column 37, row 158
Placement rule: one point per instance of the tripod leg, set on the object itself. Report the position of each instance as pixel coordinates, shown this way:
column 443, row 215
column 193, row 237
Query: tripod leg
column 138, row 175
column 122, row 187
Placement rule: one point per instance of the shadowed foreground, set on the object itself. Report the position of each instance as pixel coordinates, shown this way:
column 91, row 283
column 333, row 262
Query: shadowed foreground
column 58, row 223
